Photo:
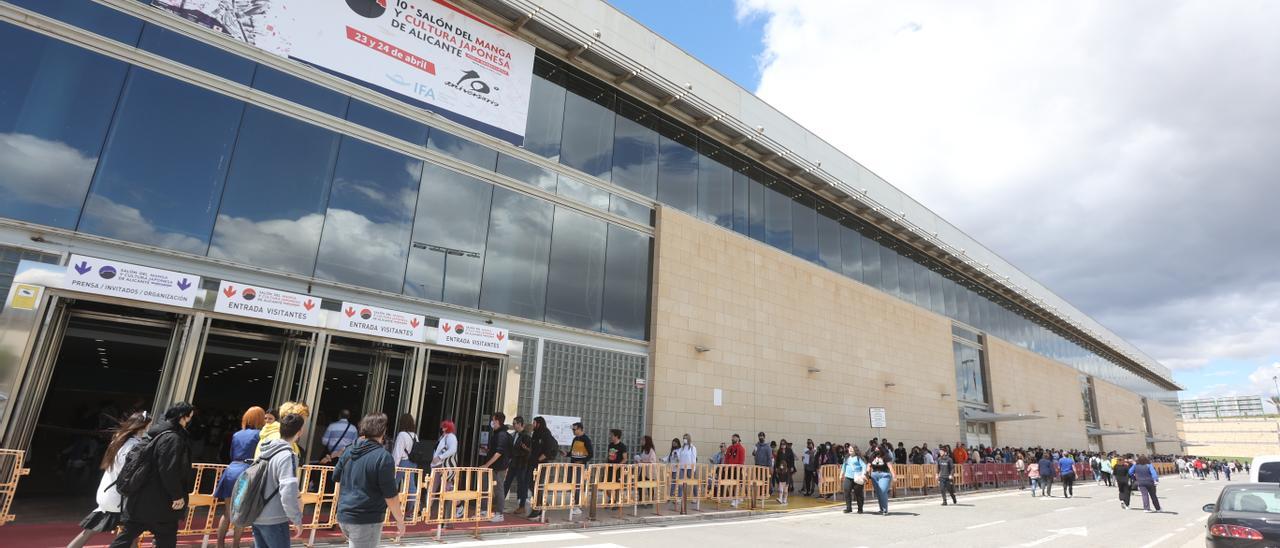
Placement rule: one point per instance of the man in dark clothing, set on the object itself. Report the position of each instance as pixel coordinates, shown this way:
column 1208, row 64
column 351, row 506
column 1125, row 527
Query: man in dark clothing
column 810, row 468
column 900, row 454
column 366, row 476
column 946, row 472
column 158, row 504
column 762, row 453
column 520, row 471
column 499, row 460
column 580, row 452
column 617, row 453
column 545, row 448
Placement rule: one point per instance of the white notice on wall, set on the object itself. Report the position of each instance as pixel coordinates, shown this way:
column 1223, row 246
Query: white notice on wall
column 561, row 427
column 131, row 281
column 267, row 304
column 717, row 397
column 878, row 418
column 381, row 322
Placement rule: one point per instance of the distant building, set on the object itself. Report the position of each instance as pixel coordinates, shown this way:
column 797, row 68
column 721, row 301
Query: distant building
column 1233, row 406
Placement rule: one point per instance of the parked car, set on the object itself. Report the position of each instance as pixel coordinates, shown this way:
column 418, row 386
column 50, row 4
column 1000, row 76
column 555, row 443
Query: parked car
column 1265, row 469
column 1246, row 515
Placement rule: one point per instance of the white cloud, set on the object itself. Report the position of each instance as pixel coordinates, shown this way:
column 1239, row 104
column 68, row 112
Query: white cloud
column 1123, row 154
column 43, row 172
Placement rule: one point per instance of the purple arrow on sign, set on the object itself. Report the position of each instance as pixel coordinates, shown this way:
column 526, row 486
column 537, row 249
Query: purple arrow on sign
column 83, row 267
column 183, row 284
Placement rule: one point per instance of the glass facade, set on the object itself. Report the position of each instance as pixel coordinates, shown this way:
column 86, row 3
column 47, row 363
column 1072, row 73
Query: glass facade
column 136, row 162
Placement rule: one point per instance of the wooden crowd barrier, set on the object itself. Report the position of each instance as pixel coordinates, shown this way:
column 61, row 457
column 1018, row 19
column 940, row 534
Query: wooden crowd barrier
column 757, row 485
column 829, row 479
column 11, row 470
column 728, row 483
column 689, row 483
column 459, row 495
column 200, row 502
column 653, row 485
column 611, row 486
column 899, row 482
column 319, row 496
column 557, row 486
column 915, row 477
column 964, row 475
column 410, row 496
column 930, row 472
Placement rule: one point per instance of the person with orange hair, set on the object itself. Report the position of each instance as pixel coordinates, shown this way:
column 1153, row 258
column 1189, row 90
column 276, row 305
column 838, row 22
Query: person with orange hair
column 243, row 445
column 446, row 455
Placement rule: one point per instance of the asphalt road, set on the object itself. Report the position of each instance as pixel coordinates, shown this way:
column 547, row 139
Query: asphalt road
column 1003, row 519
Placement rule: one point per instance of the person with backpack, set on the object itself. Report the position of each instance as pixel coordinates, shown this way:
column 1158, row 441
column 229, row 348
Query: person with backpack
column 155, row 480
column 244, row 444
column 545, row 448
column 366, row 477
column 499, row 460
column 107, row 515
column 279, row 516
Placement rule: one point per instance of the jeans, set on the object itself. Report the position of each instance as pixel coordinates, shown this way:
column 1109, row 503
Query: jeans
column 853, row 491
column 519, row 475
column 882, row 481
column 271, row 536
column 411, row 507
column 1046, row 485
column 677, row 490
column 945, row 485
column 1149, row 492
column 362, row 535
column 166, row 534
column 499, row 491
column 1035, row 485
column 1068, row 480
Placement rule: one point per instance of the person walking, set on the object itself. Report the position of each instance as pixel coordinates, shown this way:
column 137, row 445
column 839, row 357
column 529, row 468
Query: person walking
column 1047, row 470
column 781, row 471
column 271, row 428
column 406, row 438
column 281, row 517
column 1033, row 475
column 946, row 473
column 158, row 503
column 855, row 476
column 882, row 475
column 810, row 472
column 499, row 461
column 1104, row 465
column 366, row 477
column 243, row 445
column 1124, row 483
column 544, row 449
column 1020, row 465
column 446, row 453
column 1067, row 470
column 337, row 437
column 106, row 516
column 1145, row 477
column 519, row 472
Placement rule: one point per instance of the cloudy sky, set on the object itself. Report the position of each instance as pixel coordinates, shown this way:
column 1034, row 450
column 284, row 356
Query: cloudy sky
column 1127, row 155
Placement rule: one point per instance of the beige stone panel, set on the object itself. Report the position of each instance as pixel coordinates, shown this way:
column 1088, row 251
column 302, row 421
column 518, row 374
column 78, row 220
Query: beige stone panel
column 1163, row 423
column 1235, row 437
column 1025, row 382
column 1120, row 410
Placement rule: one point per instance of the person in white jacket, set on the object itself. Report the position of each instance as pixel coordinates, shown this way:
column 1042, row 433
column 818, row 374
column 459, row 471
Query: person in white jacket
column 106, row 516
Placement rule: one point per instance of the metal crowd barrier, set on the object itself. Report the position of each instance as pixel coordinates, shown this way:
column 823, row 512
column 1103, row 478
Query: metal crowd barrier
column 458, row 495
column 319, row 495
column 829, row 479
column 557, row 486
column 653, row 485
column 200, row 502
column 11, row 471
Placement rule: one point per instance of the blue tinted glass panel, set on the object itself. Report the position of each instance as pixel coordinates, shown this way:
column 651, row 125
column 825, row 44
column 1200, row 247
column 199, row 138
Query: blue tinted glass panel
column 587, row 143
column 449, row 237
column 906, row 278
column 871, row 263
column 390, row 123
column 715, row 186
column 639, row 213
column 575, row 283
column 197, row 54
column 546, row 116
column 56, row 102
column 829, row 243
column 462, row 149
column 777, row 216
column 161, row 173
column 527, row 173
column 756, row 210
column 626, row 283
column 88, row 15
column 889, row 271
column 635, row 150
column 515, row 274
column 923, row 297
column 369, row 222
column 678, row 175
column 583, row 192
column 300, row 91
column 936, row 301
column 850, row 252
column 273, row 205
column 949, row 297
column 741, row 202
column 804, row 228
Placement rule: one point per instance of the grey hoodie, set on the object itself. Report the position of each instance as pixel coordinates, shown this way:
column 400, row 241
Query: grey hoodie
column 286, row 507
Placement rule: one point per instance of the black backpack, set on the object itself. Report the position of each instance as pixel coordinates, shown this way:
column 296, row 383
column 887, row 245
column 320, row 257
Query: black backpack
column 420, row 453
column 139, row 466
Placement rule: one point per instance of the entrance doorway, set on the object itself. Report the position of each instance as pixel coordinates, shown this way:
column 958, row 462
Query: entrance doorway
column 463, row 389
column 360, row 377
column 978, row 434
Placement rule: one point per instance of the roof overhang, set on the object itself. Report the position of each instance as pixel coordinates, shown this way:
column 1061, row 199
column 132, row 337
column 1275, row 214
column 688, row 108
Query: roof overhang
column 987, row 416
column 1100, row 432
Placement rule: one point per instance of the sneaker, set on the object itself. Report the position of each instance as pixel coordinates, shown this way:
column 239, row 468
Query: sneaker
column 534, row 515
column 780, row 501
column 460, row 513
column 574, row 512
column 497, row 518
column 944, row 503
column 734, row 503
column 1147, row 511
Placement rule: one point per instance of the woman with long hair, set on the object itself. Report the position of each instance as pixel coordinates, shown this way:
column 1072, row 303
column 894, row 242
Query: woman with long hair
column 243, row 444
column 106, row 516
column 648, row 454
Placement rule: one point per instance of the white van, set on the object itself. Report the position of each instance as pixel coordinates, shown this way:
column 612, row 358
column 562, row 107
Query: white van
column 1265, row 469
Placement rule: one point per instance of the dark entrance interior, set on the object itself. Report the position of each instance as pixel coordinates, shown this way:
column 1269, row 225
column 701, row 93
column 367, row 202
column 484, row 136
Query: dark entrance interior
column 464, row 389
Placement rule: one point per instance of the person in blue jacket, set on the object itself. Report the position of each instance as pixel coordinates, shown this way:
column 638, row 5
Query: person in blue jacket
column 1047, row 472
column 855, row 476
column 1067, row 471
column 1144, row 474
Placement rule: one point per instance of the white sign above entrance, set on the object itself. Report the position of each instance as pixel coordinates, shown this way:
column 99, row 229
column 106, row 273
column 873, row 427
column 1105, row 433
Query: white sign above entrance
column 485, row 338
column 878, row 418
column 267, row 304
column 130, row 281
column 382, row 322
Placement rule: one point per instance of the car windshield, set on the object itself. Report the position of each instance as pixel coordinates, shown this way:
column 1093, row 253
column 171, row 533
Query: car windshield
column 1252, row 500
column 1269, row 472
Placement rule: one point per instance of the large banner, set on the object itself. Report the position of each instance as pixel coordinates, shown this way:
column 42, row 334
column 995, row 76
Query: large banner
column 427, row 50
